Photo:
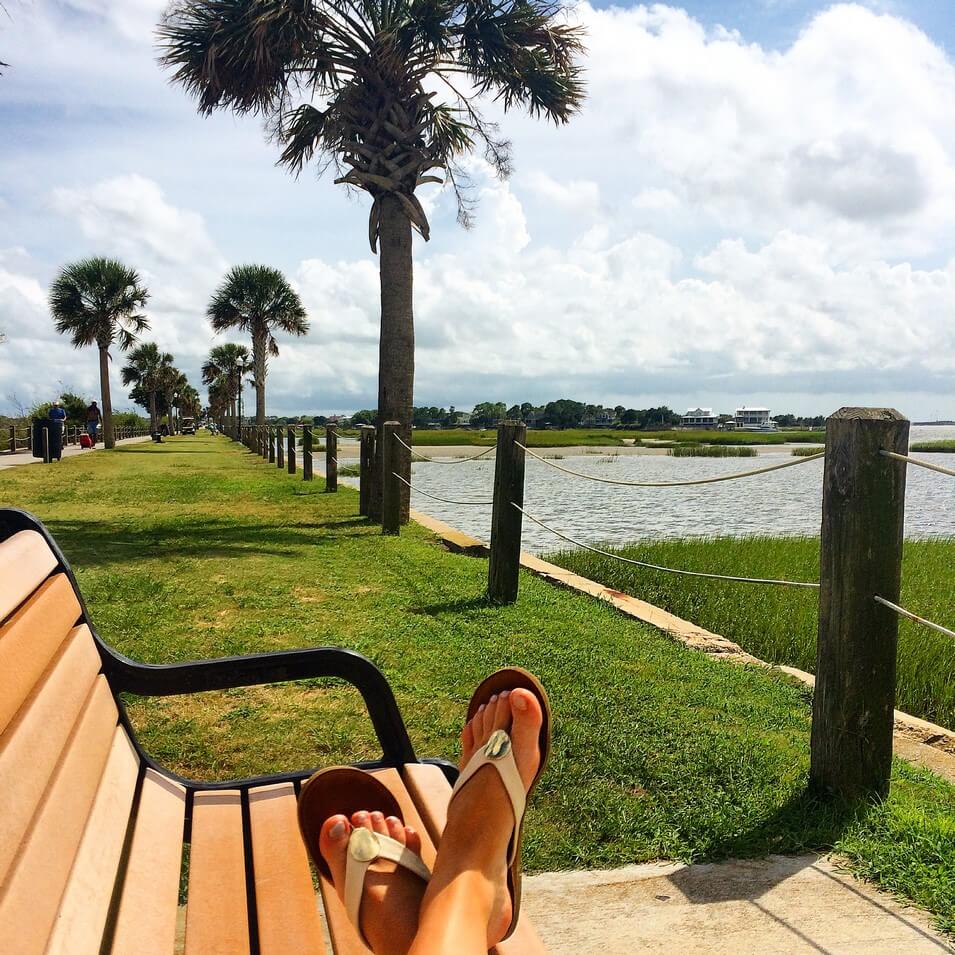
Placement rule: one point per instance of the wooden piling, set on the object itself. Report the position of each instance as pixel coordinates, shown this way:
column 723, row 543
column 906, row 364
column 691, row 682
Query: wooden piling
column 366, row 461
column 279, row 449
column 331, row 458
column 306, row 452
column 290, row 449
column 506, row 520
column 863, row 506
column 390, row 485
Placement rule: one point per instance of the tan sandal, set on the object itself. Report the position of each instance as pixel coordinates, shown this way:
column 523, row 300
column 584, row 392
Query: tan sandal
column 498, row 752
column 344, row 790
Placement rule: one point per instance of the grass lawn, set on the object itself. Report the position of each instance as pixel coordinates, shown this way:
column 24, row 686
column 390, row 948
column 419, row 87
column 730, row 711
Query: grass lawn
column 779, row 623
column 196, row 548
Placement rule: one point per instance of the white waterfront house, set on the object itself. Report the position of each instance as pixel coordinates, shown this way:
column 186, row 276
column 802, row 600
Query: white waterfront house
column 754, row 419
column 700, row 418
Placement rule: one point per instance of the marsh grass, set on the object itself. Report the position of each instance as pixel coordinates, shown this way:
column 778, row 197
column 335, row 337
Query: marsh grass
column 712, row 451
column 196, row 548
column 935, row 447
column 779, row 624
column 805, row 452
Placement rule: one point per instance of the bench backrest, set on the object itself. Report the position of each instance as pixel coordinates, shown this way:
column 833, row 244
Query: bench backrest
column 68, row 770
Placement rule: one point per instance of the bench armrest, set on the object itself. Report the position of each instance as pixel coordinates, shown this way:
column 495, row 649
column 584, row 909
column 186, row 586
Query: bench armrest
column 129, row 676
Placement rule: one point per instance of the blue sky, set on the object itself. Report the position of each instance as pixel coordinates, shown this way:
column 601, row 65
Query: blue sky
column 760, row 216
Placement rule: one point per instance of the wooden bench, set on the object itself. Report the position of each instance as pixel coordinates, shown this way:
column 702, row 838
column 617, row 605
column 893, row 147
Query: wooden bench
column 93, row 831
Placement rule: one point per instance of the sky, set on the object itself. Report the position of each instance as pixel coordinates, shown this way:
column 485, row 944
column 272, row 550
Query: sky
column 756, row 206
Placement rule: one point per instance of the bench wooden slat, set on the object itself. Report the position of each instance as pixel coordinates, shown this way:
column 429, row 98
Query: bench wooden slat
column 286, row 905
column 30, row 638
column 31, row 746
column 146, row 918
column 78, row 929
column 432, row 792
column 25, row 562
column 217, row 918
column 31, row 895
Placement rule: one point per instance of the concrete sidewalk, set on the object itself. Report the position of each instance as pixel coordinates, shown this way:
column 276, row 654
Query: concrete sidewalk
column 783, row 905
column 26, row 457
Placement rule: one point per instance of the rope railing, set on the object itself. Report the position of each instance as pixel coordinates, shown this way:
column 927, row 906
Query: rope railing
column 422, row 457
column 697, row 481
column 918, row 462
column 902, row 612
column 665, row 570
column 444, row 500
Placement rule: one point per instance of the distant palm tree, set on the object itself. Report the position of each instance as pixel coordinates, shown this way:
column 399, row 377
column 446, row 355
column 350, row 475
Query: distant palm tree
column 374, row 69
column 97, row 301
column 224, row 369
column 258, row 300
column 143, row 368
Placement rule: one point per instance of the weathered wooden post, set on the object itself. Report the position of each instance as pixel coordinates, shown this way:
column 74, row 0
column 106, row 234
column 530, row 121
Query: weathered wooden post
column 863, row 506
column 306, row 452
column 290, row 451
column 272, row 433
column 279, row 449
column 331, row 458
column 366, row 461
column 13, row 439
column 390, row 485
column 506, row 520
column 46, row 446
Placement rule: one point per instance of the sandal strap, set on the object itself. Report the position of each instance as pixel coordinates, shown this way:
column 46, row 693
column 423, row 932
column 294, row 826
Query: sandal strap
column 356, row 867
column 499, row 753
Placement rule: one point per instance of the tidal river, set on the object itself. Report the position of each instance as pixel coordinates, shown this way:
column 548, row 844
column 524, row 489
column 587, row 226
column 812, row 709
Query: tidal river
column 786, row 502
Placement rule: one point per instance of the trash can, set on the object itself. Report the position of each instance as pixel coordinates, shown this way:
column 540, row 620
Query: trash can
column 55, row 437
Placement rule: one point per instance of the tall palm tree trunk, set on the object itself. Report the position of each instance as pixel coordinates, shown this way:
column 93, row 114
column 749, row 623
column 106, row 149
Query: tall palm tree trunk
column 396, row 346
column 107, row 409
column 260, row 369
column 152, row 410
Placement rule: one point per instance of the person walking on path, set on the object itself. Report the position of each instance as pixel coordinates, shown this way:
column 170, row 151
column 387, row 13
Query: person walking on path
column 57, row 416
column 93, row 418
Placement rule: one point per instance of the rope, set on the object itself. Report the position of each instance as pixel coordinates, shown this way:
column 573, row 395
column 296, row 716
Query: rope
column 666, row 570
column 422, row 457
column 914, row 616
column 918, row 462
column 710, row 480
column 442, row 499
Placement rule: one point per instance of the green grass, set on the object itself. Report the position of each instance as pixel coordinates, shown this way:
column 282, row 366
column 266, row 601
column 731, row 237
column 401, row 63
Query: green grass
column 761, row 438
column 610, row 437
column 805, row 452
column 779, row 623
column 196, row 548
column 712, row 451
column 938, row 447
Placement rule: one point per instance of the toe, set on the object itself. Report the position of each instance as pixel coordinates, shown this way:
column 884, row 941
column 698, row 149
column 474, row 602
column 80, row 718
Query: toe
column 378, row 823
column 527, row 717
column 502, row 712
column 332, row 842
column 412, row 840
column 479, row 719
column 362, row 820
column 467, row 743
column 396, row 829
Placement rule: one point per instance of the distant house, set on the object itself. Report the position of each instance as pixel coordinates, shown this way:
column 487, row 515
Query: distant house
column 700, row 418
column 462, row 418
column 753, row 419
column 602, row 419
column 340, row 420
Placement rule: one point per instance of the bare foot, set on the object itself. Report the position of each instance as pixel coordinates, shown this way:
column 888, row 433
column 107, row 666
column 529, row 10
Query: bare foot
column 392, row 895
column 480, row 823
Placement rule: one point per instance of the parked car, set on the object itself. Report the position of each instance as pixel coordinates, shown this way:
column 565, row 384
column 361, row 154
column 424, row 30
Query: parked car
column 188, row 426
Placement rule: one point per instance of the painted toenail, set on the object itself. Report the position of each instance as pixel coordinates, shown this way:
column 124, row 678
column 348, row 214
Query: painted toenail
column 338, row 830
column 505, row 694
column 493, row 698
column 520, row 702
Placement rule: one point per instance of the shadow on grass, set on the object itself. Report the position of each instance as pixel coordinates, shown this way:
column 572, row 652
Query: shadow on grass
column 461, row 605
column 102, row 543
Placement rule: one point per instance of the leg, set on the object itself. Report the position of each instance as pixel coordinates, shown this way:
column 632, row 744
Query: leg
column 467, row 906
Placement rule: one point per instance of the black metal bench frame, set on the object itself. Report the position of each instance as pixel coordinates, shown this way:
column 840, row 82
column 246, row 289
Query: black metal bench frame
column 125, row 675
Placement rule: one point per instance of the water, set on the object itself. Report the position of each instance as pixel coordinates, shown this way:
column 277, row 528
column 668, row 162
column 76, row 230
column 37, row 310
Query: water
column 787, row 502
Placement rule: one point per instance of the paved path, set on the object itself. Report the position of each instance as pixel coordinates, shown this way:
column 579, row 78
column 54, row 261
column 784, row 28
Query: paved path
column 25, row 457
column 784, row 905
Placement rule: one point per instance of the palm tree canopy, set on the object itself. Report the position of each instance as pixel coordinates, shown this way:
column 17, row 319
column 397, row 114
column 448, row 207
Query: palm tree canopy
column 225, row 366
column 143, row 365
column 365, row 71
column 97, row 301
column 257, row 298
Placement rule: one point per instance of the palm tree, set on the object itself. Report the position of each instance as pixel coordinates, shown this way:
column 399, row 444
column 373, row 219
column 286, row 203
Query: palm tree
column 171, row 382
column 97, row 301
column 375, row 67
column 258, row 299
column 143, row 368
column 224, row 369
